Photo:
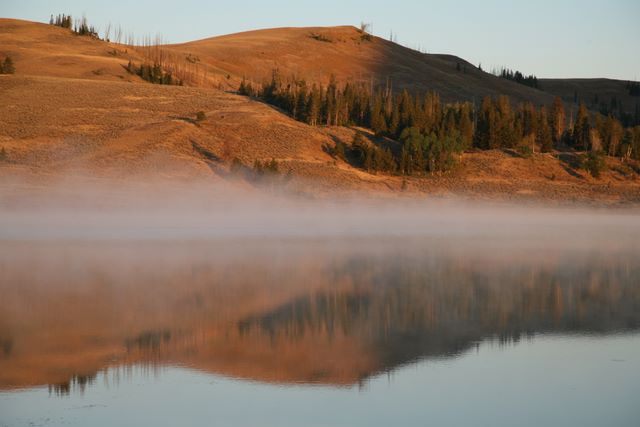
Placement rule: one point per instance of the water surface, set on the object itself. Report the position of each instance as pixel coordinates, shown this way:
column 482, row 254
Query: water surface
column 320, row 331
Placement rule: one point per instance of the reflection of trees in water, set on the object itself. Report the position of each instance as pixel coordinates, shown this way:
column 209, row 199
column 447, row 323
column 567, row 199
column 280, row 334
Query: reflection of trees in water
column 75, row 383
column 110, row 376
column 148, row 340
column 403, row 308
column 320, row 313
column 379, row 306
column 6, row 345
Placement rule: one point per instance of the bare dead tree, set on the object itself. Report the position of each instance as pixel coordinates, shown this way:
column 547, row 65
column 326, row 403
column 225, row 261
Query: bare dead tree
column 118, row 34
column 107, row 32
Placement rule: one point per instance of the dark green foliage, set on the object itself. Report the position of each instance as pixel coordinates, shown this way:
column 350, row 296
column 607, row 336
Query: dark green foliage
column 518, row 77
column 582, row 129
column 6, row 66
column 153, row 73
column 236, row 165
column 364, row 32
column 356, row 104
column 525, row 147
column 557, row 119
column 82, row 28
column 430, row 133
column 339, row 151
column 245, row 88
column 543, row 136
column 320, row 37
column 594, row 163
column 611, row 134
column 369, row 156
column 61, row 20
column 630, row 146
column 427, row 152
column 497, row 125
column 266, row 169
column 633, row 88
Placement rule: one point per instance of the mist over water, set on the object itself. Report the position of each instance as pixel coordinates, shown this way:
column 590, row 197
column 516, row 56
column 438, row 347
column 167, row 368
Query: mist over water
column 157, row 210
column 244, row 296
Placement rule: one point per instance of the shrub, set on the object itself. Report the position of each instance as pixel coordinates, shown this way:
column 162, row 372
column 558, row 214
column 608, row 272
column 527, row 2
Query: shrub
column 594, row 163
column 154, row 74
column 200, row 116
column 525, row 147
column 236, row 165
column 3, row 154
column 6, row 66
column 320, row 37
column 266, row 168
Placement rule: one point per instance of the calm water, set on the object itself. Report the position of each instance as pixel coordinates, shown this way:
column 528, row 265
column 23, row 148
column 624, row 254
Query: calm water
column 308, row 331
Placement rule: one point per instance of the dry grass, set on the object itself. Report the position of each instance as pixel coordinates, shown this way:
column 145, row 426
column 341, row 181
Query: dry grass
column 60, row 117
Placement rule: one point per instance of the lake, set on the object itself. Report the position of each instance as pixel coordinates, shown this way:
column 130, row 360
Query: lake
column 439, row 328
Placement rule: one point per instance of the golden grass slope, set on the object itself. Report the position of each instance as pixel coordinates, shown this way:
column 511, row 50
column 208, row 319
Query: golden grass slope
column 46, row 50
column 315, row 54
column 59, row 116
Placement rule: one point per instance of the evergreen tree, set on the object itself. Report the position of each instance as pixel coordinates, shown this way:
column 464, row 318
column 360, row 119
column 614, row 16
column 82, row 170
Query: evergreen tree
column 466, row 126
column 557, row 119
column 543, row 137
column 378, row 121
column 300, row 110
column 314, row 105
column 485, row 131
column 581, row 129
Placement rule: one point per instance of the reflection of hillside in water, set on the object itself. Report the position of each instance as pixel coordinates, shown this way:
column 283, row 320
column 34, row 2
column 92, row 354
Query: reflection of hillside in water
column 298, row 312
column 406, row 308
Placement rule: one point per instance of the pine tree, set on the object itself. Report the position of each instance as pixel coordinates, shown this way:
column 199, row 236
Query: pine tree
column 581, row 129
column 466, row 126
column 557, row 119
column 486, row 124
column 243, row 87
column 300, row 111
column 331, row 108
column 314, row 105
column 506, row 136
column 378, row 121
column 543, row 136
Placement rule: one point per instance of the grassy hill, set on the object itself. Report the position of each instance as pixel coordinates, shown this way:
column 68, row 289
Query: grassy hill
column 73, row 108
column 317, row 53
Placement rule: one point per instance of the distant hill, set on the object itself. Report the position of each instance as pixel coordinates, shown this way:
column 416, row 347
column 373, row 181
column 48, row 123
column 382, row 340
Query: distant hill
column 603, row 95
column 317, row 53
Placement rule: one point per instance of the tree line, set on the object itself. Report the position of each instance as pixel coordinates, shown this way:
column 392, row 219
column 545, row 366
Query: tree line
column 633, row 88
column 80, row 26
column 516, row 76
column 431, row 133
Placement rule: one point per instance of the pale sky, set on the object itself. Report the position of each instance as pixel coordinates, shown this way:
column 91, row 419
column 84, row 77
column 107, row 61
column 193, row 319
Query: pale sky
column 561, row 38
